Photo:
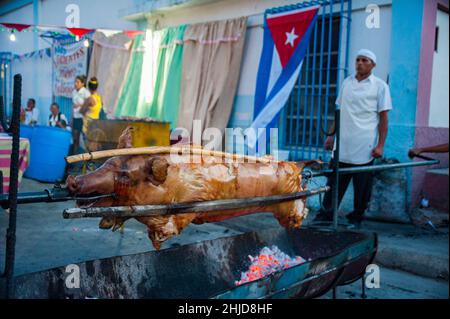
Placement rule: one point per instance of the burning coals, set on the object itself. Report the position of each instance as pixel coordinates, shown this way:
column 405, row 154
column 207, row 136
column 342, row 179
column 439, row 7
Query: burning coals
column 269, row 260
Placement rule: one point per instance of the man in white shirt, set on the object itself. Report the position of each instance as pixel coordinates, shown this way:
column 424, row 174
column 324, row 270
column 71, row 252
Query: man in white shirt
column 364, row 101
column 31, row 113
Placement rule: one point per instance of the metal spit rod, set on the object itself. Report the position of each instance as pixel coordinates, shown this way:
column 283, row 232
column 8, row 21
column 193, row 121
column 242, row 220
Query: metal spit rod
column 61, row 194
column 183, row 208
column 56, row 194
column 374, row 168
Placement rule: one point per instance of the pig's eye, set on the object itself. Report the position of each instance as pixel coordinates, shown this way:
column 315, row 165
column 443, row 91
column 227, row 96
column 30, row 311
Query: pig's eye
column 131, row 178
column 123, row 175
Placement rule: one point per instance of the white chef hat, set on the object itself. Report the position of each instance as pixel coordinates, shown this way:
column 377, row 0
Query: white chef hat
column 368, row 54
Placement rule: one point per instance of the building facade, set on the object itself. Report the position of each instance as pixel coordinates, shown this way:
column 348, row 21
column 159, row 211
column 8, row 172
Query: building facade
column 409, row 37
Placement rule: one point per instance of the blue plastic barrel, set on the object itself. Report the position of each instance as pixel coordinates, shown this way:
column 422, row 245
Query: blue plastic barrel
column 48, row 148
column 26, row 131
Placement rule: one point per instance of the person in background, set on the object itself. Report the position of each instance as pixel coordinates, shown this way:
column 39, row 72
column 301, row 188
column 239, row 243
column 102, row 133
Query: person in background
column 92, row 106
column 413, row 152
column 56, row 118
column 441, row 148
column 365, row 101
column 31, row 113
column 79, row 95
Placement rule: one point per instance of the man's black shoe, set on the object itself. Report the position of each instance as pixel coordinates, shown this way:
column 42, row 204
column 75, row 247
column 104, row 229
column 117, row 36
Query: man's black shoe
column 322, row 217
column 355, row 217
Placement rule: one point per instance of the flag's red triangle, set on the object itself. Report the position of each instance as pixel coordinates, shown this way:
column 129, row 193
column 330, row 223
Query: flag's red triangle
column 79, row 31
column 287, row 31
column 18, row 26
column 133, row 33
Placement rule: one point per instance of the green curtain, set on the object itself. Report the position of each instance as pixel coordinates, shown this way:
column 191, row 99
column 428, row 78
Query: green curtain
column 129, row 100
column 164, row 89
column 166, row 97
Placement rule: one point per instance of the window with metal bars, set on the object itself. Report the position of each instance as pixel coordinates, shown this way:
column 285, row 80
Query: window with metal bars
column 310, row 108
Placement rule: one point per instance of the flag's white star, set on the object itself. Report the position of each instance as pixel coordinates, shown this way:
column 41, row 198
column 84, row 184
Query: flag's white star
column 290, row 37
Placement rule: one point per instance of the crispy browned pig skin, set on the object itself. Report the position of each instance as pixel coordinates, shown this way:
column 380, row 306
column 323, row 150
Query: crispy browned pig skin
column 156, row 179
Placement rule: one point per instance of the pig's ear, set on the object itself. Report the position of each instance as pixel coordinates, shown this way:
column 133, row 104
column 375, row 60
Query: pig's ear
column 126, row 138
column 158, row 170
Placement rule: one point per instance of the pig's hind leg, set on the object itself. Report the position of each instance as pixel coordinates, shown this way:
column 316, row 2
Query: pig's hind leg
column 291, row 214
column 162, row 228
column 112, row 222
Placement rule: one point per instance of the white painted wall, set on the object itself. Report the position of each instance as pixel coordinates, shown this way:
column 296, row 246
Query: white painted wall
column 24, row 40
column 227, row 9
column 93, row 14
column 36, row 83
column 36, row 72
column 439, row 100
column 376, row 39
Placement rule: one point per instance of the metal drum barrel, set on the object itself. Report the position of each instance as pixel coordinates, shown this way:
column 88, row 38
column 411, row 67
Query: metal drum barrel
column 210, row 268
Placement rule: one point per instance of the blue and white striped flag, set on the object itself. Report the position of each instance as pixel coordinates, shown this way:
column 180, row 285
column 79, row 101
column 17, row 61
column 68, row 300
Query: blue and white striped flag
column 286, row 39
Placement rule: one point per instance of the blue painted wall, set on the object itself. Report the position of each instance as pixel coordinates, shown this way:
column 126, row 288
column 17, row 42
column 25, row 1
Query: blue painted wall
column 404, row 74
column 404, row 81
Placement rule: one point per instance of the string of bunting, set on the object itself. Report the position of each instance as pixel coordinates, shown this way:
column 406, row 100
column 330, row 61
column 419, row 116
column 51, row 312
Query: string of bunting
column 47, row 52
column 75, row 32
column 8, row 56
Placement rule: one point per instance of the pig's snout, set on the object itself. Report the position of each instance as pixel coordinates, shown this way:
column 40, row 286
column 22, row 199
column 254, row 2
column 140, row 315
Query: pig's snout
column 72, row 184
column 97, row 182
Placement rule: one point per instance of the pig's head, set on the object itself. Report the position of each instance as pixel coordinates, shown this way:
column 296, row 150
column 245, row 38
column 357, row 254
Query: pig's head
column 131, row 180
column 121, row 176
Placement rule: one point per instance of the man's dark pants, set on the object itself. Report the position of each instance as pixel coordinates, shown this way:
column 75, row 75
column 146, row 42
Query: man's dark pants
column 362, row 188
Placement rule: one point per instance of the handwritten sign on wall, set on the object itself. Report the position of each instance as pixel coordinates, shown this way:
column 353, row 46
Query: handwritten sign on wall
column 68, row 62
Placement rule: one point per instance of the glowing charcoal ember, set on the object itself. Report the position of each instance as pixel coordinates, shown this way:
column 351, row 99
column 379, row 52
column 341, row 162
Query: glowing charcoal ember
column 269, row 260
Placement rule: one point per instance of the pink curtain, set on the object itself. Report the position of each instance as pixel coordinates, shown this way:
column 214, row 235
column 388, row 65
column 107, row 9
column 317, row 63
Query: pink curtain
column 109, row 62
column 211, row 67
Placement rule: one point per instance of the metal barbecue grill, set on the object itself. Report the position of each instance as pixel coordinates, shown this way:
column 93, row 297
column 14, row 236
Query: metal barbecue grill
column 208, row 269
column 335, row 256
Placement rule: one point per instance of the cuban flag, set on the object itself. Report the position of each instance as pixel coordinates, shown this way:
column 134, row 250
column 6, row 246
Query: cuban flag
column 286, row 39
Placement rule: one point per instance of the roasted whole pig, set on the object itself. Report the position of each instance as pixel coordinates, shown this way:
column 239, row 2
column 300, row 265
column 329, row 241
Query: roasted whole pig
column 157, row 179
